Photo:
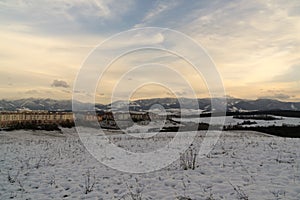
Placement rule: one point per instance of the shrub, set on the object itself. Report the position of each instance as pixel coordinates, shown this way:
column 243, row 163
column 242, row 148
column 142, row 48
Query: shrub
column 188, row 159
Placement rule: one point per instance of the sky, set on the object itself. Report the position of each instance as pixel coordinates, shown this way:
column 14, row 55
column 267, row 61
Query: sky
column 254, row 46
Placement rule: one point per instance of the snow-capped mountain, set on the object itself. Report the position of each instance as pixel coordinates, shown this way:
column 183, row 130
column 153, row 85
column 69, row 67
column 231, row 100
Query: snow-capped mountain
column 41, row 104
column 231, row 104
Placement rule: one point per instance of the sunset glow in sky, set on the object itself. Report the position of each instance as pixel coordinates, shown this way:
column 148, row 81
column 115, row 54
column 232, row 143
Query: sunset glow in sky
column 255, row 45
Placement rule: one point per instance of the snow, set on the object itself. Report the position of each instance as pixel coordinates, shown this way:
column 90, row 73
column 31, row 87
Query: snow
column 154, row 125
column 54, row 165
column 184, row 111
column 234, row 121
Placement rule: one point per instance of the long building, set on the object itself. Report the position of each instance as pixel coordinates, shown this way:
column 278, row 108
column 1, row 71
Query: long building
column 10, row 118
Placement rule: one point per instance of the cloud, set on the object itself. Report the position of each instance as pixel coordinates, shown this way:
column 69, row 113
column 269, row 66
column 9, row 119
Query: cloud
column 64, row 16
column 65, row 8
column 248, row 41
column 294, row 11
column 251, row 42
column 60, row 83
column 159, row 8
column 32, row 92
column 291, row 75
column 279, row 96
column 276, row 94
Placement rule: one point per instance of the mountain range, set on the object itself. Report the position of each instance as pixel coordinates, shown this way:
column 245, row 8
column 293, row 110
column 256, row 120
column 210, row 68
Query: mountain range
column 232, row 104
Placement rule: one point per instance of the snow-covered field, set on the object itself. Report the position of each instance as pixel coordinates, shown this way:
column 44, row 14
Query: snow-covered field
column 243, row 165
column 229, row 120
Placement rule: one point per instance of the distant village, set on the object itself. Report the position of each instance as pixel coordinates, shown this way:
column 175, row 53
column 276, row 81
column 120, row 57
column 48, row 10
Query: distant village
column 49, row 119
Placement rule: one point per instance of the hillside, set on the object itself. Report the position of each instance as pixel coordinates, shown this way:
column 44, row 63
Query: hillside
column 232, row 104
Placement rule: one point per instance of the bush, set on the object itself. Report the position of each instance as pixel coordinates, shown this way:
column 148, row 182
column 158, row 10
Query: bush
column 188, row 159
